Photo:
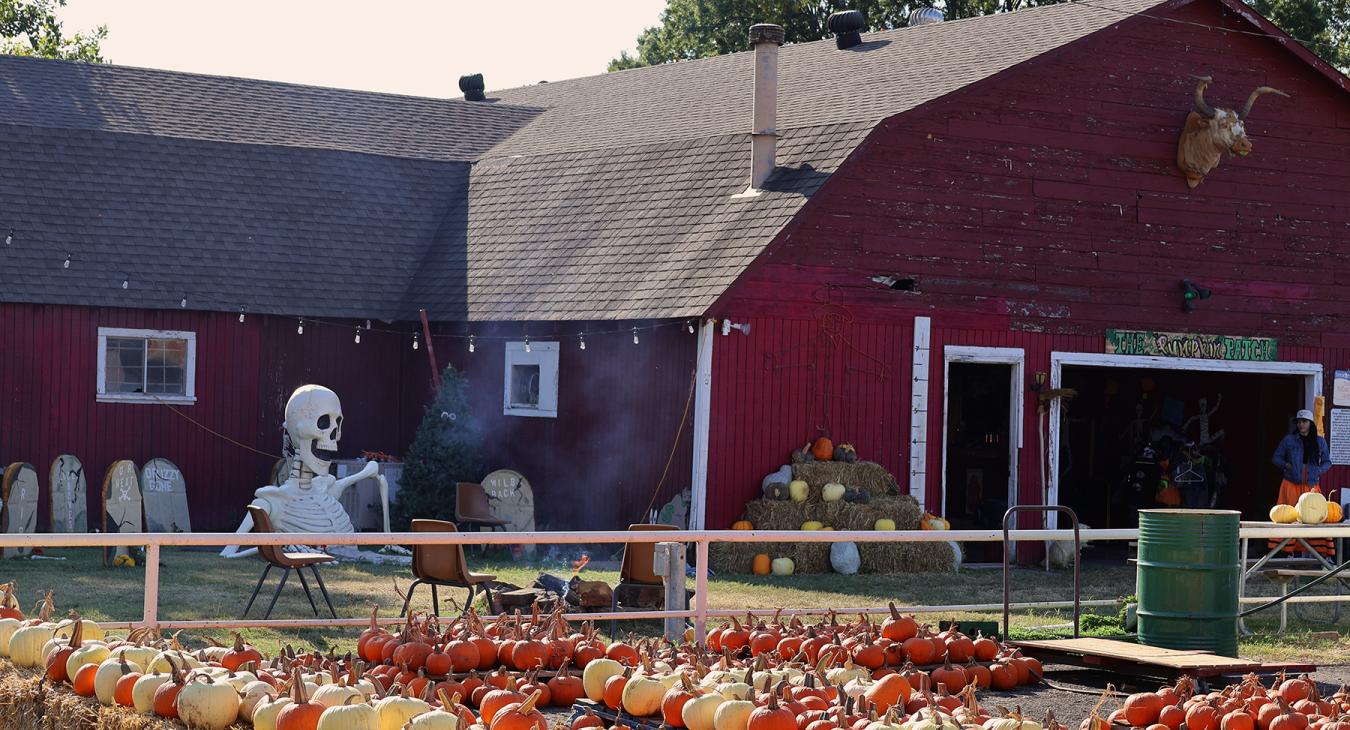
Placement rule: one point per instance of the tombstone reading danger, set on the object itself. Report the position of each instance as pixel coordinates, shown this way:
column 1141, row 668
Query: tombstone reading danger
column 20, row 492
column 511, row 498
column 121, row 501
column 165, row 495
column 70, row 512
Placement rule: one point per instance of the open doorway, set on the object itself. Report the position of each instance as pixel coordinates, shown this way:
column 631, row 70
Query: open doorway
column 1137, row 438
column 980, row 441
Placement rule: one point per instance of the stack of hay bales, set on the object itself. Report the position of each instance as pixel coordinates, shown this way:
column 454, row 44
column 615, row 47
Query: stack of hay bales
column 883, row 501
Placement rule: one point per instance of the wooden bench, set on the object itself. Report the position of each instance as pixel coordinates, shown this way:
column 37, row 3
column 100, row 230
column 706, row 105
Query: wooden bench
column 1284, row 577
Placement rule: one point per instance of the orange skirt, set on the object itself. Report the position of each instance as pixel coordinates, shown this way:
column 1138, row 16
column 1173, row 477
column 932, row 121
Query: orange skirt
column 1289, row 494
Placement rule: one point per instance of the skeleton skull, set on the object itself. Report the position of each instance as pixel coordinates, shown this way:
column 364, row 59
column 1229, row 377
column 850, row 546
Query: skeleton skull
column 314, row 424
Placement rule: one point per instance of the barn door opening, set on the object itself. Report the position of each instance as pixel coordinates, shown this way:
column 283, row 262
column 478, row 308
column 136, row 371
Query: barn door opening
column 981, row 438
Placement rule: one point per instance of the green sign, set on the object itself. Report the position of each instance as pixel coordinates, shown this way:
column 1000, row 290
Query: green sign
column 1187, row 344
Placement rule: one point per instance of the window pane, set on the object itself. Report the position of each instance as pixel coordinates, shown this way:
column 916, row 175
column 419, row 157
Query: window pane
column 525, row 385
column 124, row 370
column 166, row 367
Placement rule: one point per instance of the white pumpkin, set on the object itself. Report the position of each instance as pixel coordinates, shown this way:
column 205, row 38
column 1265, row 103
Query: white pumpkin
column 105, row 678
column 395, row 711
column 434, row 720
column 7, row 628
column 239, row 679
column 202, row 703
column 334, row 695
column 733, row 715
column 352, row 715
column 265, row 715
column 143, row 692
column 254, row 695
column 595, row 674
column 181, row 659
column 642, row 695
column 25, row 646
column 320, row 678
column 798, row 490
column 927, row 719
column 1312, row 508
column 1012, row 721
column 87, row 654
column 832, row 492
column 734, row 690
column 699, row 713
column 138, row 655
column 783, row 566
column 90, row 631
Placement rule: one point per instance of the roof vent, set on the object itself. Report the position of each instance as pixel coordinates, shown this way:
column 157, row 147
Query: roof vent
column 926, row 16
column 845, row 25
column 472, row 86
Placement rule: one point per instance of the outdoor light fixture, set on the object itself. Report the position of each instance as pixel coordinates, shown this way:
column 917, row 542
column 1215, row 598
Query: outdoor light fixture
column 1190, row 294
column 414, row 340
column 728, row 326
column 300, row 327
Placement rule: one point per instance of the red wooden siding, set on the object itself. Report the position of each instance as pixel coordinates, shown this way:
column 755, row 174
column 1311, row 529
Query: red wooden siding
column 1037, row 209
column 598, row 464
column 244, row 373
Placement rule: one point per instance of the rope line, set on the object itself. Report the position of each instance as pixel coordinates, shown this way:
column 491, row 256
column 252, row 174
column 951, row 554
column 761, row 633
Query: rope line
column 679, row 434
column 212, row 431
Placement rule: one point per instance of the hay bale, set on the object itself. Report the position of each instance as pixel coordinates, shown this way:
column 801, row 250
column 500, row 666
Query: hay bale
column 27, row 702
column 772, row 514
column 907, row 557
column 736, row 558
column 866, row 475
column 775, row 514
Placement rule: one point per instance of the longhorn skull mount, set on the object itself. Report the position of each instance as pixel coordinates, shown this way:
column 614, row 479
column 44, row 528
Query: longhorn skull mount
column 1210, row 132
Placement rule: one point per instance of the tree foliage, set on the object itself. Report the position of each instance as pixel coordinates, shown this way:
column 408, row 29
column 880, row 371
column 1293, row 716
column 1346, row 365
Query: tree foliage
column 446, row 449
column 698, row 28
column 31, row 28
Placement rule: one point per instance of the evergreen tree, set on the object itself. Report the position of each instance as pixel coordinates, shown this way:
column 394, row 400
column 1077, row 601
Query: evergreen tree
column 446, row 449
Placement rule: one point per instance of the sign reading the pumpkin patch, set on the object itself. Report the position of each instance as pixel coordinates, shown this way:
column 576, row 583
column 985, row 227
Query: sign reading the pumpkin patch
column 1191, row 345
column 1338, row 436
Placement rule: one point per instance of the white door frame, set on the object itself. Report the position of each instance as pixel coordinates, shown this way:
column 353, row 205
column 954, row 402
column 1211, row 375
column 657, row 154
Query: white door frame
column 1311, row 372
column 1014, row 356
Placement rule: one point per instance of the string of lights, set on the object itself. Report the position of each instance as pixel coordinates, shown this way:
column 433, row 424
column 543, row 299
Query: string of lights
column 1181, row 21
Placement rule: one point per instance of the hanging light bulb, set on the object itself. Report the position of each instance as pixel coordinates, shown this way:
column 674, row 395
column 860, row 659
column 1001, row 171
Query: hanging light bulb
column 414, row 340
column 635, row 336
column 471, row 340
column 582, row 338
column 9, row 237
column 183, row 302
column 241, row 314
column 300, row 327
column 66, row 263
column 527, row 343
column 367, row 324
column 690, row 325
column 358, row 335
column 126, row 283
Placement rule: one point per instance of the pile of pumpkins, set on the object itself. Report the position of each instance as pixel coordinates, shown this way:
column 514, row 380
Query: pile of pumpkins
column 1312, row 509
column 1290, row 703
column 823, row 449
column 798, row 491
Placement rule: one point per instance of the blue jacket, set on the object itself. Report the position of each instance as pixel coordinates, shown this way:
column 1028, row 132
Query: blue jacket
column 1290, row 452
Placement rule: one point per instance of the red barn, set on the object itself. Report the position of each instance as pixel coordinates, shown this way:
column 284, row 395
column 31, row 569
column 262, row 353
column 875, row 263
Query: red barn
column 959, row 218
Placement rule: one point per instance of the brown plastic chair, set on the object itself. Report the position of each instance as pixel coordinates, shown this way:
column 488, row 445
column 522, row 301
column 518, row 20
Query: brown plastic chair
column 471, row 507
column 444, row 565
column 276, row 556
column 636, row 567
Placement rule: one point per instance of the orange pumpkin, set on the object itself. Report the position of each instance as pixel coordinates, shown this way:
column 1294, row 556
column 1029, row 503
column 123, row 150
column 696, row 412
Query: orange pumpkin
column 1334, row 513
column 742, row 525
column 823, row 449
column 761, row 564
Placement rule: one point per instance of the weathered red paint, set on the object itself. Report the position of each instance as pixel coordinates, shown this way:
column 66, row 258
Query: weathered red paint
column 1037, row 209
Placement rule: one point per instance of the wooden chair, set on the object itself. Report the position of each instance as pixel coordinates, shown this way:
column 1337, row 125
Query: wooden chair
column 276, row 556
column 635, row 570
column 444, row 565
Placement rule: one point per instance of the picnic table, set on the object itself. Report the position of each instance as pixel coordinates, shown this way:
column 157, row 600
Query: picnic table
column 1288, row 572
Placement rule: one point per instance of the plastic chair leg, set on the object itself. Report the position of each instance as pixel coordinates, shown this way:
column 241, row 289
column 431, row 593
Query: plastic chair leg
column 408, row 599
column 318, row 578
column 435, row 601
column 300, row 573
column 277, row 595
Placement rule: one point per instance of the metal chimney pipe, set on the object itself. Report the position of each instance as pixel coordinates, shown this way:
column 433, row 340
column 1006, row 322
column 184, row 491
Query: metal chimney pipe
column 766, row 38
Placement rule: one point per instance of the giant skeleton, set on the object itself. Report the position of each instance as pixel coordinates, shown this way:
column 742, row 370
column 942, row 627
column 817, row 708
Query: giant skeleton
column 307, row 501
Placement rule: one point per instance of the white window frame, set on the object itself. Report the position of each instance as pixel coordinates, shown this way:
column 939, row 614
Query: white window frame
column 190, row 377
column 545, row 355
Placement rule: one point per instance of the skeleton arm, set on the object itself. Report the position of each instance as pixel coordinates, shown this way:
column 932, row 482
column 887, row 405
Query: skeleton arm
column 336, row 489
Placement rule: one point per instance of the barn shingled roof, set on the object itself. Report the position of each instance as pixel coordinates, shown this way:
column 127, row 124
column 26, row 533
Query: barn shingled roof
column 607, row 197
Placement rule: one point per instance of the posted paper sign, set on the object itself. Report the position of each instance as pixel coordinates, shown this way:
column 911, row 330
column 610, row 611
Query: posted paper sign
column 1338, row 436
column 1340, row 391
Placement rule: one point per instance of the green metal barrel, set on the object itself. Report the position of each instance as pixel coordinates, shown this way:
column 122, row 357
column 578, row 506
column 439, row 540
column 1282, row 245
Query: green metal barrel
column 1187, row 579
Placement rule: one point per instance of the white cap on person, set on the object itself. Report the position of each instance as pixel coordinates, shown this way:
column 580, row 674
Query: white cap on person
column 1303, row 415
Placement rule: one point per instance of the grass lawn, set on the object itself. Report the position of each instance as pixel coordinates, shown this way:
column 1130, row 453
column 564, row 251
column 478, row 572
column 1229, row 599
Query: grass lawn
column 197, row 585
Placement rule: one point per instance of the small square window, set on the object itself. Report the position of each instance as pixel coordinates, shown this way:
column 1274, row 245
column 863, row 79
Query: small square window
column 531, row 380
column 146, row 366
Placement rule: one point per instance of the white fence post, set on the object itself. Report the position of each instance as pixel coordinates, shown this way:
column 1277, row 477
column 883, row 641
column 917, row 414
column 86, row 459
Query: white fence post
column 151, row 609
column 701, row 591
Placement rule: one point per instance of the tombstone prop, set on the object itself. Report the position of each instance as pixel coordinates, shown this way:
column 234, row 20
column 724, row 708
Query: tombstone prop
column 70, row 512
column 511, row 499
column 19, row 515
column 165, row 495
column 121, row 504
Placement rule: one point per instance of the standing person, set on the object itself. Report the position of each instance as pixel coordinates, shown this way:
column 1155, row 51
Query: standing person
column 1303, row 457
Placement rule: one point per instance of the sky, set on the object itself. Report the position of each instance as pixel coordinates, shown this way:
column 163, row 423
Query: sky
column 418, row 47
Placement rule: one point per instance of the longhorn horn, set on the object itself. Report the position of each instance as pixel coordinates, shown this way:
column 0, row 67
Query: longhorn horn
column 1200, row 104
column 1258, row 91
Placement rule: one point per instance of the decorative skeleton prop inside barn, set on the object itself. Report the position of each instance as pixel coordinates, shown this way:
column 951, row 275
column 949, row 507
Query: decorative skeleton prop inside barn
column 1210, row 132
column 307, row 501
